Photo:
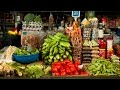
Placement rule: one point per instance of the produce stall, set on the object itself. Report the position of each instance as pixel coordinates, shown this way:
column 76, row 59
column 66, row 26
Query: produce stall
column 74, row 48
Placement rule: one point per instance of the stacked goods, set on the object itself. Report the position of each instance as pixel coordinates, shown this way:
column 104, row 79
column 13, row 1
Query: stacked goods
column 31, row 31
column 90, row 37
column 76, row 40
column 87, row 33
column 90, row 50
column 56, row 48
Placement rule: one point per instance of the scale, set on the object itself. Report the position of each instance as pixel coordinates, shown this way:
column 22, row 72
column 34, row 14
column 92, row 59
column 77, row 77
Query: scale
column 76, row 14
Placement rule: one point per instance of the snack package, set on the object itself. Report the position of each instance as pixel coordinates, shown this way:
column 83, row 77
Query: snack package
column 32, row 38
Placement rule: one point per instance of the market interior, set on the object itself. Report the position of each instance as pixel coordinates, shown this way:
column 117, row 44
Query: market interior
column 35, row 44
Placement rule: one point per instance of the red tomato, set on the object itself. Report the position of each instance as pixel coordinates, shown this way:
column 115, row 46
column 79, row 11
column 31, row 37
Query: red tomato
column 73, row 69
column 53, row 74
column 77, row 62
column 58, row 66
column 62, row 70
column 84, row 73
column 67, row 60
column 63, row 62
column 76, row 73
column 57, row 74
column 54, row 70
column 68, row 71
column 63, row 73
column 76, row 65
column 62, row 67
column 56, row 63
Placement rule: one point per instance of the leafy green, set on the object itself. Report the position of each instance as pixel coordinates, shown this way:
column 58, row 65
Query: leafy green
column 29, row 17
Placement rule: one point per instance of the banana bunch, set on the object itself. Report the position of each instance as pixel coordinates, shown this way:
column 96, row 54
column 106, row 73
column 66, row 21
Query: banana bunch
column 56, row 48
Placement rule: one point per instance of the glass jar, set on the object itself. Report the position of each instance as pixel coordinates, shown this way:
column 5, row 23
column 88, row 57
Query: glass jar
column 102, row 44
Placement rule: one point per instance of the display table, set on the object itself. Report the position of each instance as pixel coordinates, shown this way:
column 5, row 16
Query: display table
column 68, row 77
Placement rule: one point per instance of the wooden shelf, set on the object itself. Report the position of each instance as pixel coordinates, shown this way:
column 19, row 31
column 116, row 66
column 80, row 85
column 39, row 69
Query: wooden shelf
column 12, row 24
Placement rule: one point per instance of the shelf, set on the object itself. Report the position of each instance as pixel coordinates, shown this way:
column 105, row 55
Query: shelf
column 7, row 24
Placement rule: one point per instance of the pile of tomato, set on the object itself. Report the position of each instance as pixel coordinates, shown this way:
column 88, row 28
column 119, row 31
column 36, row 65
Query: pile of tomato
column 66, row 67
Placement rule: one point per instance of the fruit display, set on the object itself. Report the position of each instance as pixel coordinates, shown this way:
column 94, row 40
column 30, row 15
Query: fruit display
column 103, row 67
column 66, row 67
column 56, row 48
column 76, row 40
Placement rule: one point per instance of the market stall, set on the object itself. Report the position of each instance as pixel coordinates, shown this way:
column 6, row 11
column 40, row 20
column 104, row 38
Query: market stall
column 74, row 48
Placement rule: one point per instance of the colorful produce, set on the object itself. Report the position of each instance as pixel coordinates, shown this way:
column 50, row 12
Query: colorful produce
column 6, row 69
column 66, row 67
column 103, row 67
column 56, row 48
column 76, row 40
column 35, row 70
column 26, row 51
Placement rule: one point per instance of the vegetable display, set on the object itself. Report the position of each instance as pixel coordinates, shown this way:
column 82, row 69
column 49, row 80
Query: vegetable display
column 34, row 70
column 56, row 48
column 25, row 51
column 103, row 67
column 66, row 68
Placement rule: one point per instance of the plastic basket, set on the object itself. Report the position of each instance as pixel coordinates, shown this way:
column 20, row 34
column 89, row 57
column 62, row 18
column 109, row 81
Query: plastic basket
column 26, row 59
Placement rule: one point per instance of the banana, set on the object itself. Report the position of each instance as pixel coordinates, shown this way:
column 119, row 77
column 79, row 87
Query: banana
column 64, row 39
column 52, row 48
column 55, row 50
column 61, row 51
column 52, row 38
column 51, row 44
column 64, row 44
column 57, row 37
column 70, row 57
column 67, row 53
column 47, row 40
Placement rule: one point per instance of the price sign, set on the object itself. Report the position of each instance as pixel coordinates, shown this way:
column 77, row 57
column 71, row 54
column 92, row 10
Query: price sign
column 75, row 13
